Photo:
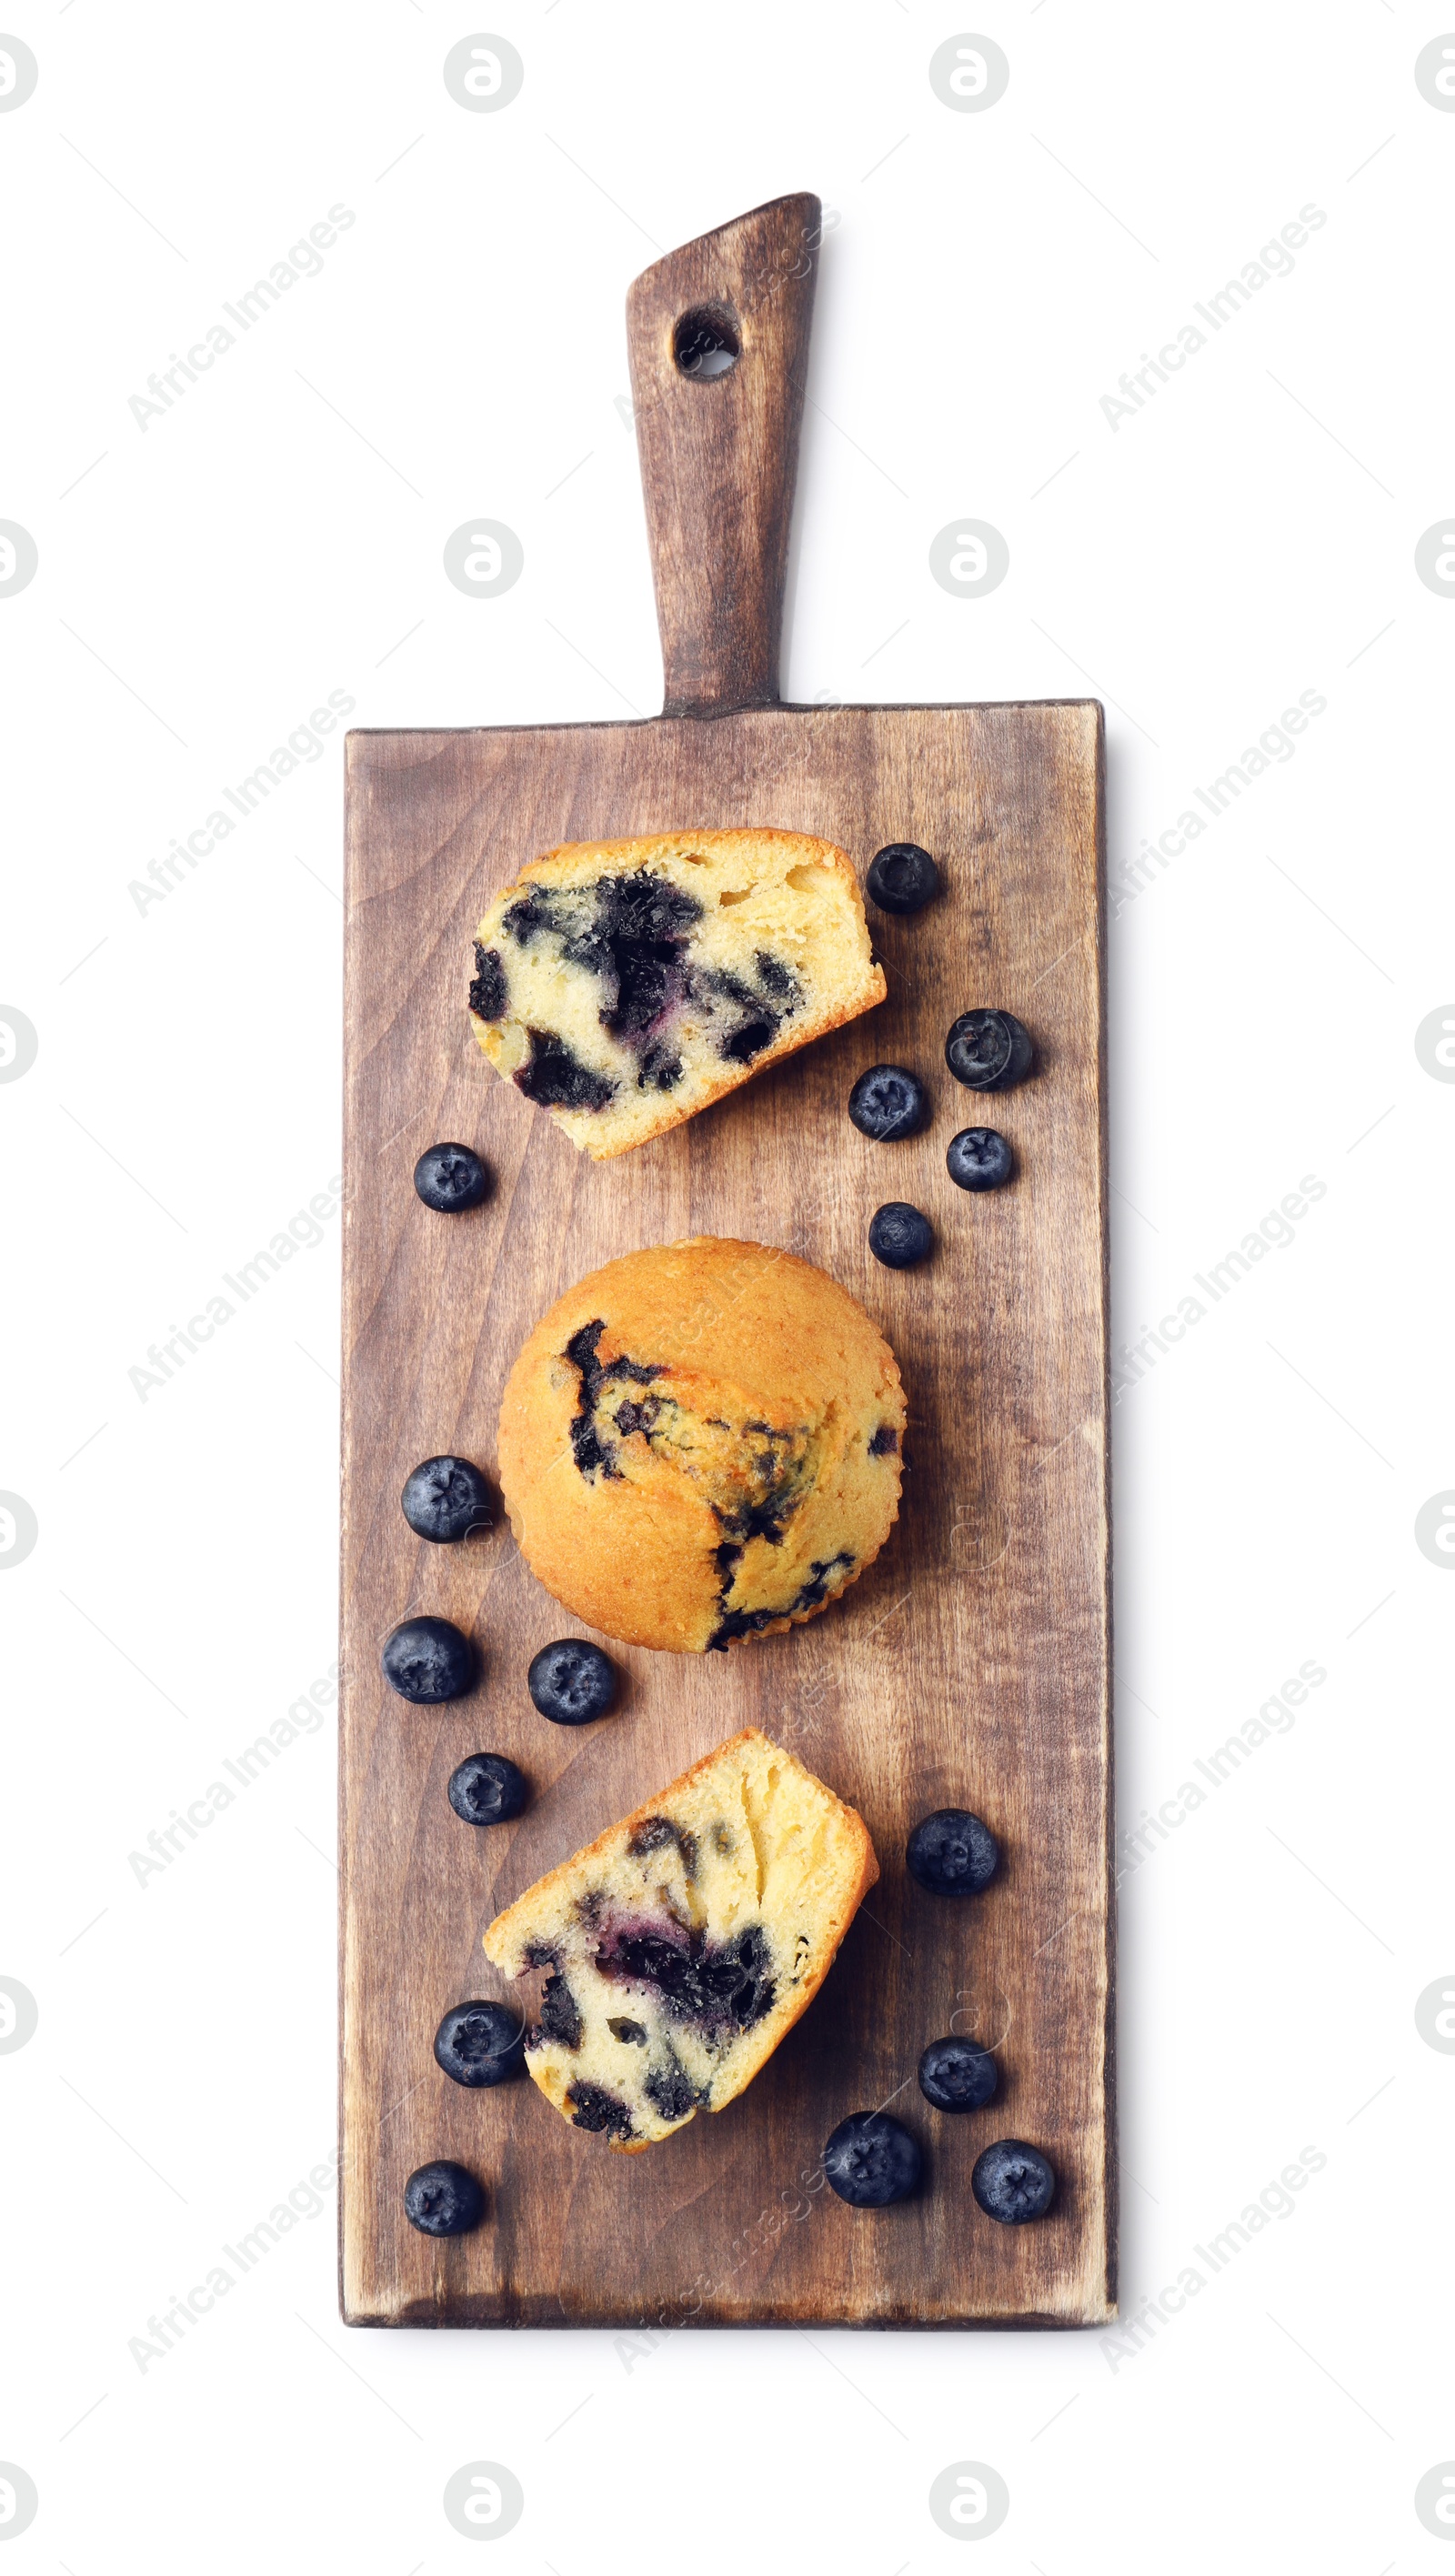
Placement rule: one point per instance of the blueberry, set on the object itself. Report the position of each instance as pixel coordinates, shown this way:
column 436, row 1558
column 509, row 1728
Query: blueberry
column 488, row 1790
column 887, row 1103
column 442, row 2199
column 899, row 1236
column 572, row 1682
column 1013, row 2182
column 952, row 1853
column 958, row 2075
column 902, row 878
column 445, row 1499
column 427, row 1660
column 449, row 1178
column 979, row 1159
column 480, row 2044
column 989, row 1050
column 871, row 2160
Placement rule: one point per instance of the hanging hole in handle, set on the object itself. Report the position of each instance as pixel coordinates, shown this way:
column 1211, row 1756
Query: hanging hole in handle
column 705, row 341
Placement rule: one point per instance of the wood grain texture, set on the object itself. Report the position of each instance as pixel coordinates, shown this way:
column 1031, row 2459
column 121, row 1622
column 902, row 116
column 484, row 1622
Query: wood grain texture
column 970, row 1664
column 719, row 453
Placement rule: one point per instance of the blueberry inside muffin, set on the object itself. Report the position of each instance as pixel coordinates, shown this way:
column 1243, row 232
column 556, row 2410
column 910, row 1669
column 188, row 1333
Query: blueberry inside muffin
column 701, row 1443
column 622, row 985
column 678, row 1948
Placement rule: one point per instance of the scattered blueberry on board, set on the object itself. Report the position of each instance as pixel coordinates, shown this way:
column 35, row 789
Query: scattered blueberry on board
column 1013, row 2182
column 958, row 2075
column 572, row 1682
column 871, row 2160
column 480, row 2044
column 902, row 878
column 486, row 1789
column 450, row 1178
column 443, row 2199
column 989, row 1050
column 979, row 1159
column 899, row 1235
column 427, row 1660
column 888, row 1102
column 446, row 1499
column 952, row 1853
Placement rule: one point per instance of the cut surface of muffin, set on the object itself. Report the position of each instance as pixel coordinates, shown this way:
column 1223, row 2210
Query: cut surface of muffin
column 700, row 1442
column 622, row 985
column 681, row 1945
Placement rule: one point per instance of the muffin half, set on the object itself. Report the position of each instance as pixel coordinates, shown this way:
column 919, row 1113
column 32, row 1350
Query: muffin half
column 685, row 1941
column 622, row 985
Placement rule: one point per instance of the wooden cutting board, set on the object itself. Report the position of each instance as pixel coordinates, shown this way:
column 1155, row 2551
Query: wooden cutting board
column 969, row 1666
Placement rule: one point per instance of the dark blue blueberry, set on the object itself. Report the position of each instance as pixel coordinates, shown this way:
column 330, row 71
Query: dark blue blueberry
column 871, row 2159
column 902, row 878
column 899, row 1235
column 426, row 1660
column 671, row 2091
column 952, row 1853
column 572, row 1682
column 442, row 2199
column 445, row 1499
column 730, row 1985
column 885, row 1443
column 979, row 1159
column 989, row 1050
column 592, row 2107
column 1013, row 2182
column 485, row 1789
column 480, row 2044
column 488, row 994
column 555, row 1078
column 888, row 1102
column 958, row 2075
column 450, row 1178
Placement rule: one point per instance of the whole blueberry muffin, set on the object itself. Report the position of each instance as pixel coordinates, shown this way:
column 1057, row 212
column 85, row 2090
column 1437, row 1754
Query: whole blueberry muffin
column 622, row 985
column 701, row 1442
column 682, row 1944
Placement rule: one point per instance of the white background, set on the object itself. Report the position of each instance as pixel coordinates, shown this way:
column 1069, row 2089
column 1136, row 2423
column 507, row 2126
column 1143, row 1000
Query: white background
column 204, row 582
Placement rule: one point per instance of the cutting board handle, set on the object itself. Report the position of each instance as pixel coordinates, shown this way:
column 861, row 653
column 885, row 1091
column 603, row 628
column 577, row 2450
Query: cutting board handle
column 718, row 333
